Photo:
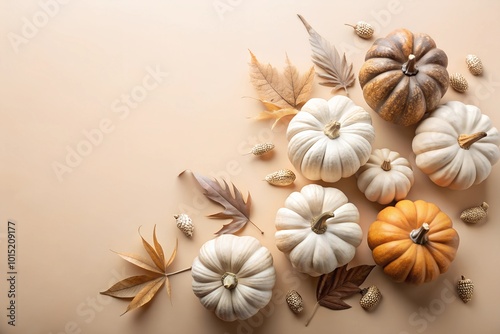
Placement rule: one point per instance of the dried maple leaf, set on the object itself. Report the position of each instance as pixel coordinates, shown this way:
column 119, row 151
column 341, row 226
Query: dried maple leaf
column 142, row 288
column 235, row 207
column 339, row 284
column 282, row 94
column 337, row 73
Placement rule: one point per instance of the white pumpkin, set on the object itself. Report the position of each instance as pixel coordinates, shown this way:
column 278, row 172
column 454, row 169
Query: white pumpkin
column 318, row 229
column 386, row 177
column 330, row 140
column 233, row 276
column 456, row 146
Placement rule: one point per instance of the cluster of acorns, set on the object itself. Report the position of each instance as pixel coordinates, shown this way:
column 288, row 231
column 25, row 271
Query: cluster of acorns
column 371, row 296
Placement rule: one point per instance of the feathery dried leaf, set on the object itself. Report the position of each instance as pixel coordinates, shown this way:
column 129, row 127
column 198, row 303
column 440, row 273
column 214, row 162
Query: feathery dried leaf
column 139, row 261
column 158, row 260
column 147, row 293
column 276, row 91
column 129, row 287
column 339, row 284
column 143, row 288
column 337, row 73
column 235, row 207
column 277, row 115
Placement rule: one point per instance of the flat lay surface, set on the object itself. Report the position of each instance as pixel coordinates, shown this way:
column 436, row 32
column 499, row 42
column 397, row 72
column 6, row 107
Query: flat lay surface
column 103, row 104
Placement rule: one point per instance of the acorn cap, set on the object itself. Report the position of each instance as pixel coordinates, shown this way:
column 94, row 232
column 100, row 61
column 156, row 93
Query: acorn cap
column 474, row 64
column 465, row 289
column 371, row 297
column 185, row 224
column 363, row 29
column 458, row 82
column 294, row 301
column 475, row 214
column 282, row 177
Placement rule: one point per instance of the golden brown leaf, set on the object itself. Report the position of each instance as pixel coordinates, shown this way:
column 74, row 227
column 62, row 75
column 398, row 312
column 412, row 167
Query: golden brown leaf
column 336, row 72
column 157, row 259
column 139, row 261
column 129, row 287
column 277, row 91
column 147, row 293
column 277, row 115
column 159, row 249
column 143, row 288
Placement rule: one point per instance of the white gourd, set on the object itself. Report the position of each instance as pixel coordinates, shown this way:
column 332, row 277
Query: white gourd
column 456, row 146
column 318, row 229
column 330, row 140
column 386, row 177
column 233, row 276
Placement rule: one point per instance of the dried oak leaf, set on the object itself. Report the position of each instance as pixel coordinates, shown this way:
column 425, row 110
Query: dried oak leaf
column 281, row 93
column 235, row 207
column 341, row 283
column 337, row 73
column 142, row 288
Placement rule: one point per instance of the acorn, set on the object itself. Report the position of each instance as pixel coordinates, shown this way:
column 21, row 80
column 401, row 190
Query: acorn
column 261, row 149
column 465, row 289
column 282, row 177
column 185, row 224
column 371, row 296
column 474, row 64
column 294, row 301
column 458, row 82
column 362, row 29
column 475, row 214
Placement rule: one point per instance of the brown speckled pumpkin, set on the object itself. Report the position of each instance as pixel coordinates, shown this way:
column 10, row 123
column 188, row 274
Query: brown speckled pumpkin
column 404, row 76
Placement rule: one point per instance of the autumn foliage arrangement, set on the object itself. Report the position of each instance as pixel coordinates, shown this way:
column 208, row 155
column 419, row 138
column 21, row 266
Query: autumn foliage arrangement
column 318, row 229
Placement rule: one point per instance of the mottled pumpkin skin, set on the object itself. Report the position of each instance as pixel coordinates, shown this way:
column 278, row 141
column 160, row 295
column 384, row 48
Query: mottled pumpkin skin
column 398, row 97
column 394, row 250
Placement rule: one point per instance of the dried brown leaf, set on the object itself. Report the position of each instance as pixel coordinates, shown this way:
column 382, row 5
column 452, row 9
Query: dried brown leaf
column 277, row 115
column 287, row 90
column 235, row 207
column 147, row 293
column 158, row 260
column 337, row 73
column 143, row 288
column 159, row 248
column 140, row 262
column 129, row 287
column 339, row 284
column 280, row 91
column 174, row 253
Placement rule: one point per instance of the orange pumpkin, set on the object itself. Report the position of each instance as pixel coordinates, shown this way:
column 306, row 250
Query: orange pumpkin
column 413, row 241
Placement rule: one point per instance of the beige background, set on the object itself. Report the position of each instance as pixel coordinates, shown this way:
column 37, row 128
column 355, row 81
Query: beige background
column 66, row 74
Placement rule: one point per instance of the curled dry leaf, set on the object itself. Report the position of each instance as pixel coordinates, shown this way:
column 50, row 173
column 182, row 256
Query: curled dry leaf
column 281, row 93
column 341, row 283
column 337, row 73
column 142, row 288
column 235, row 206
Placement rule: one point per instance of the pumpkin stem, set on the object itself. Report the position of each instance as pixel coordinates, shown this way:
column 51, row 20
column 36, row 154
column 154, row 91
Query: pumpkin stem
column 318, row 224
column 419, row 236
column 332, row 129
column 410, row 68
column 466, row 141
column 386, row 165
column 229, row 280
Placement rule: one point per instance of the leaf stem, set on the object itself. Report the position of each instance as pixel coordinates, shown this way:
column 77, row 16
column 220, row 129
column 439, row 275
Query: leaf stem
column 313, row 313
column 177, row 272
column 261, row 232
